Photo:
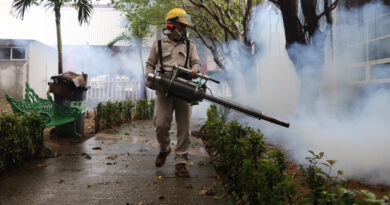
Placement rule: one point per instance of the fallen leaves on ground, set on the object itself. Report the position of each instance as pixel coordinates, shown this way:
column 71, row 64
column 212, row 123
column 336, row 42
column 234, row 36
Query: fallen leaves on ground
column 57, row 154
column 61, row 180
column 97, row 148
column 112, row 157
column 215, row 175
column 41, row 165
column 191, row 164
column 161, row 197
column 109, row 163
column 87, row 156
column 201, row 164
column 159, row 177
column 91, row 185
column 142, row 203
column 126, row 133
column 207, row 191
column 203, row 192
column 189, row 187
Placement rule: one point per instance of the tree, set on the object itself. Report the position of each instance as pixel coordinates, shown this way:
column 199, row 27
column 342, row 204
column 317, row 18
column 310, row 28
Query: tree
column 84, row 8
column 216, row 21
column 138, row 31
column 305, row 44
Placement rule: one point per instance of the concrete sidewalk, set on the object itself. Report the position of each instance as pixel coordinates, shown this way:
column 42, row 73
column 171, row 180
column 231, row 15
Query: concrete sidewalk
column 114, row 167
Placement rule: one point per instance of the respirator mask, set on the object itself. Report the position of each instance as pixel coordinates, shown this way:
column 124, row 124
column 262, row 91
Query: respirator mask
column 173, row 32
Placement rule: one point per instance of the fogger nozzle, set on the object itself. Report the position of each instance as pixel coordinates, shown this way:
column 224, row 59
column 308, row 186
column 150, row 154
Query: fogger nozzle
column 244, row 109
column 193, row 92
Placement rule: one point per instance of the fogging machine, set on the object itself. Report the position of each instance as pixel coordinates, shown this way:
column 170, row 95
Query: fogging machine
column 177, row 83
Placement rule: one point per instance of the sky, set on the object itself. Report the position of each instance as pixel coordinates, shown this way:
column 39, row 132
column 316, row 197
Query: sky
column 39, row 24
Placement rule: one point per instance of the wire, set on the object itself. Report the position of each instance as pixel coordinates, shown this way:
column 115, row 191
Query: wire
column 210, row 91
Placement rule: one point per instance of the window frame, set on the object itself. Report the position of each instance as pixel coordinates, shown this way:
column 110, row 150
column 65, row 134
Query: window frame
column 368, row 63
column 10, row 53
column 18, row 59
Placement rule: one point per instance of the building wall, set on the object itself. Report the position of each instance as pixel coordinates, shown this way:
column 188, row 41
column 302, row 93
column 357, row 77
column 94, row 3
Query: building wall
column 13, row 68
column 36, row 67
column 105, row 24
column 43, row 63
column 12, row 74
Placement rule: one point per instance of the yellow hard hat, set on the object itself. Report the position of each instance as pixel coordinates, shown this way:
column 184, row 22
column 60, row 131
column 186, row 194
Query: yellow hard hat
column 179, row 15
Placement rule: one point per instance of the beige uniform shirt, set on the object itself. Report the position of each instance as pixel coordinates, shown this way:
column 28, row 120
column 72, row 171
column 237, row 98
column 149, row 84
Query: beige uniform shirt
column 173, row 54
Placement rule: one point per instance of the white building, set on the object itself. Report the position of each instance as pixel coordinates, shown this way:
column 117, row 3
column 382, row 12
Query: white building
column 24, row 61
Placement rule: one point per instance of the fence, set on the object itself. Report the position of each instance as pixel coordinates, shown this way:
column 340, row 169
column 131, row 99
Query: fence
column 115, row 89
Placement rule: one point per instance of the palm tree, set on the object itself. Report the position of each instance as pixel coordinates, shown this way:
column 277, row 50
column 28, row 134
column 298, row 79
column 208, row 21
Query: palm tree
column 84, row 8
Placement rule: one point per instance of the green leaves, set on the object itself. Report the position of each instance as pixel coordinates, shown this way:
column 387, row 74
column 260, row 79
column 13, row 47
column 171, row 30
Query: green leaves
column 21, row 6
column 84, row 9
column 20, row 139
column 258, row 175
column 325, row 188
column 112, row 114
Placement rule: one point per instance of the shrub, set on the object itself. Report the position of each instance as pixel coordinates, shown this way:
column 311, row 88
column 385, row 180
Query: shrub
column 257, row 174
column 112, row 114
column 328, row 189
column 20, row 139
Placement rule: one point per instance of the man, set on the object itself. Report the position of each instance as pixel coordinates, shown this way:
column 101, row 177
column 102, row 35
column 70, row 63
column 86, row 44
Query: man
column 173, row 50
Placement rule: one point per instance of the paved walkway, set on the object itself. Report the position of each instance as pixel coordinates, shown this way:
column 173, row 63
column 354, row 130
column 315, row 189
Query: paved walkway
column 114, row 167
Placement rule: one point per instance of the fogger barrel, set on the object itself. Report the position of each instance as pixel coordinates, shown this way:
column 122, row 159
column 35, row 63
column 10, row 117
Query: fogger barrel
column 193, row 92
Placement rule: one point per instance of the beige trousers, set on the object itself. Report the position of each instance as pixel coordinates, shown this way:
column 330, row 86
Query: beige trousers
column 163, row 111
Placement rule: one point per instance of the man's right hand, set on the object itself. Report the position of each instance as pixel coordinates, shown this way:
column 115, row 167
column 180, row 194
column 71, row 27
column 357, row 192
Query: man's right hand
column 148, row 84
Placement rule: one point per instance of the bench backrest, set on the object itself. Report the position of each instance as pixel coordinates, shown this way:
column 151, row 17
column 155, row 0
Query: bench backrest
column 31, row 103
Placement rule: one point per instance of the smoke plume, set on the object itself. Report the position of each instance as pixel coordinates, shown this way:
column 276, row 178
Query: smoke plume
column 327, row 112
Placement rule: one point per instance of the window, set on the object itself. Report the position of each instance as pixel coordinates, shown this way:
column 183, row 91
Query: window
column 5, row 53
column 379, row 49
column 18, row 53
column 379, row 27
column 369, row 51
column 380, row 71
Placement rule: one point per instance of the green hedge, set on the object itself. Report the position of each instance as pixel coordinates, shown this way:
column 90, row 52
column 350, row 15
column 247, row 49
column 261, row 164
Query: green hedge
column 112, row 114
column 20, row 139
column 258, row 175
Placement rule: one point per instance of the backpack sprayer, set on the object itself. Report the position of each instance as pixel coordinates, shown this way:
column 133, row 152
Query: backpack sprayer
column 175, row 84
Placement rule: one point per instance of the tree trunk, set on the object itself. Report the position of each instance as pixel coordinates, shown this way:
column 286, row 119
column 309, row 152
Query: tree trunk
column 294, row 31
column 305, row 46
column 59, row 40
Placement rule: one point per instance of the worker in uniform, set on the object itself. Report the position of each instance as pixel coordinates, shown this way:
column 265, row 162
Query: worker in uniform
column 174, row 49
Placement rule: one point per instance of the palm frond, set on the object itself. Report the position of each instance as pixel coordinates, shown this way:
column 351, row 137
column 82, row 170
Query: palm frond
column 122, row 37
column 21, row 6
column 51, row 4
column 84, row 8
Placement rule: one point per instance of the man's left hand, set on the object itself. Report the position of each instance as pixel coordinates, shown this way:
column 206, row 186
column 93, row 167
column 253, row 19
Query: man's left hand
column 194, row 74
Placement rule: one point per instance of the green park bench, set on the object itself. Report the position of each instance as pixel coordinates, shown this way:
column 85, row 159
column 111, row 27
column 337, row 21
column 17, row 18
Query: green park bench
column 52, row 114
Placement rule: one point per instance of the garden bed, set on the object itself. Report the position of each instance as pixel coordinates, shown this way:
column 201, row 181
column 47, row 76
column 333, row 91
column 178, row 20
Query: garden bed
column 296, row 184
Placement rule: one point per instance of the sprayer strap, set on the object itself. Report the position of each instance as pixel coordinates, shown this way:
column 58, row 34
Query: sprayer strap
column 160, row 56
column 188, row 53
column 196, row 89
